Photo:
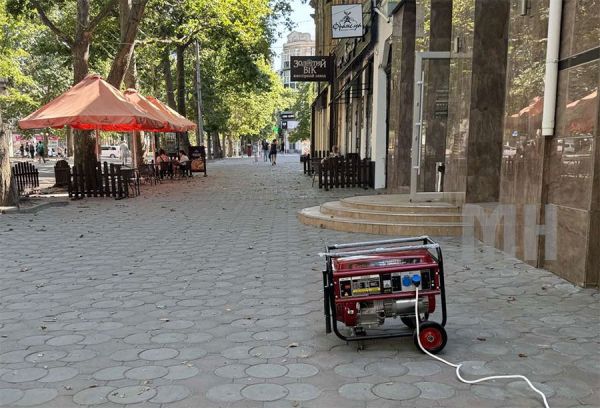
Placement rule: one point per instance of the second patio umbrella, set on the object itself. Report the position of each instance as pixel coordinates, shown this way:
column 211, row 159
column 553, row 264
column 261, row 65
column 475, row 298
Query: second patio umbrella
column 168, row 122
column 182, row 122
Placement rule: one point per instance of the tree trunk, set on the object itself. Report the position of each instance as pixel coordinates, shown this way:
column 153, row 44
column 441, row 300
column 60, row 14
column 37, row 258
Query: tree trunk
column 130, row 81
column 216, row 145
column 209, row 146
column 229, row 146
column 184, row 141
column 129, row 30
column 70, row 146
column 124, row 68
column 166, row 68
column 84, row 141
column 86, row 155
column 8, row 191
column 81, row 46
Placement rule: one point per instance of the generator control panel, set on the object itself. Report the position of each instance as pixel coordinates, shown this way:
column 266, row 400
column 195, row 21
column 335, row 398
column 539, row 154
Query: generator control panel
column 394, row 282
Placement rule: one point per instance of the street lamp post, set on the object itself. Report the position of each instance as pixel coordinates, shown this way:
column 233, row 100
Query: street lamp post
column 45, row 142
column 199, row 97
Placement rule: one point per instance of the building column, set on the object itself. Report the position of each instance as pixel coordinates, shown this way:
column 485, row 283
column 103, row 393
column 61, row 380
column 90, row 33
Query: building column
column 399, row 138
column 593, row 248
column 488, row 88
column 378, row 140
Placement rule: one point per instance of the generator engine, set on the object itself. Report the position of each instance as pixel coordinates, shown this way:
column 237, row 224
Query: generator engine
column 365, row 289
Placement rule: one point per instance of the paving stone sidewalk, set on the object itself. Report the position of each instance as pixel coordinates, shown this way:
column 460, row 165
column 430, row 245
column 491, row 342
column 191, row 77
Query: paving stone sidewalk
column 207, row 293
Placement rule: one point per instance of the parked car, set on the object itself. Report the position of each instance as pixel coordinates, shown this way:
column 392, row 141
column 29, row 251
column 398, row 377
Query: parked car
column 110, row 152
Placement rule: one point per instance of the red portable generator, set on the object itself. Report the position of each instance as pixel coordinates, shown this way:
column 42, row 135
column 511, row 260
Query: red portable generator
column 368, row 285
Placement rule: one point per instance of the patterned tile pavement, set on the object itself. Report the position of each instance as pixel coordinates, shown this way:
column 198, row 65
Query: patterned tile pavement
column 207, row 293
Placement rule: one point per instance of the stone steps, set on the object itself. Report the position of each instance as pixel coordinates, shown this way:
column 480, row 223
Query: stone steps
column 386, row 215
column 398, row 203
column 410, row 215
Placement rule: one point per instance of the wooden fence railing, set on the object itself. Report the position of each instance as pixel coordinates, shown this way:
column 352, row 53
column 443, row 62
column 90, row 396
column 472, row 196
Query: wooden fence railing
column 26, row 177
column 102, row 180
column 341, row 172
column 307, row 160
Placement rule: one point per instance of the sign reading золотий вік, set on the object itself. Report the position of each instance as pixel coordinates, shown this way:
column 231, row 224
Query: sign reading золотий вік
column 316, row 68
column 346, row 21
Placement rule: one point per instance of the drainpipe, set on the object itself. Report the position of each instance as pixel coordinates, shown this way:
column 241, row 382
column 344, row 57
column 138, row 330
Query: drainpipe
column 376, row 8
column 551, row 77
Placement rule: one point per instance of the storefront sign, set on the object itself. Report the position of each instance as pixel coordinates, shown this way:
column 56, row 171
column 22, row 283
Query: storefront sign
column 304, row 69
column 346, row 21
column 349, row 49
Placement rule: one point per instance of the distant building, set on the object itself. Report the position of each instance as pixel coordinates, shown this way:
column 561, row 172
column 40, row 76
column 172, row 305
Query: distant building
column 298, row 44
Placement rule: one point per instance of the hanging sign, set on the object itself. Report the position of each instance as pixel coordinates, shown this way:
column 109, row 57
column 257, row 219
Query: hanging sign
column 346, row 21
column 314, row 68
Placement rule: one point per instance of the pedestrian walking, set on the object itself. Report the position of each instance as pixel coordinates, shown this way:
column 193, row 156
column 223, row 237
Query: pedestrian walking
column 124, row 150
column 31, row 151
column 273, row 153
column 40, row 152
column 265, row 149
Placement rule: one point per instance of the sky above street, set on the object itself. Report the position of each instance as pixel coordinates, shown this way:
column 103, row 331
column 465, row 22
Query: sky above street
column 304, row 23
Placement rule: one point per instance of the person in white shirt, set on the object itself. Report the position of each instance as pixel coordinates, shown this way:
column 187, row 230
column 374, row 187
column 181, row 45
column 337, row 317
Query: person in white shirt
column 184, row 163
column 183, row 157
column 124, row 150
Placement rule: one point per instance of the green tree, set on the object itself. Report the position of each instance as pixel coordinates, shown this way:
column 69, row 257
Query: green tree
column 234, row 36
column 74, row 24
column 15, row 35
column 302, row 108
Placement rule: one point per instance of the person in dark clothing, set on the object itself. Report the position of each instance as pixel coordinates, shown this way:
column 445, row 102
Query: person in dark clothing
column 32, row 151
column 41, row 152
column 22, row 150
column 273, row 153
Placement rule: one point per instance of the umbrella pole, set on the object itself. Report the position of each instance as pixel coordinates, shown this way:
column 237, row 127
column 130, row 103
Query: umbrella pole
column 97, row 144
column 154, row 145
column 133, row 149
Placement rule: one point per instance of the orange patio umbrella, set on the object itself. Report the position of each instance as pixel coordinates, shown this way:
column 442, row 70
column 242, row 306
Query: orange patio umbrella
column 92, row 104
column 183, row 123
column 582, row 113
column 534, row 108
column 168, row 123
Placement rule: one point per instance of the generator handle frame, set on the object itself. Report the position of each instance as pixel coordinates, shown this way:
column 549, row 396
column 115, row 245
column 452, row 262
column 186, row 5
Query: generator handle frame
column 423, row 238
column 381, row 250
column 328, row 288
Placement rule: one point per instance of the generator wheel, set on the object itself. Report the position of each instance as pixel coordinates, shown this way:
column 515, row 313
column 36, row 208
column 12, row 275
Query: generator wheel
column 411, row 321
column 433, row 337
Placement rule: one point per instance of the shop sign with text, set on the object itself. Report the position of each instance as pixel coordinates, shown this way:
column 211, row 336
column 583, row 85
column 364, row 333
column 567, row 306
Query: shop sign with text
column 313, row 68
column 347, row 21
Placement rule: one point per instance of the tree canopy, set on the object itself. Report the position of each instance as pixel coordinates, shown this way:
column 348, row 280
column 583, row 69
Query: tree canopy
column 46, row 45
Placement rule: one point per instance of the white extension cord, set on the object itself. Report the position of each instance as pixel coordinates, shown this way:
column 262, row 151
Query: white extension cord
column 457, row 366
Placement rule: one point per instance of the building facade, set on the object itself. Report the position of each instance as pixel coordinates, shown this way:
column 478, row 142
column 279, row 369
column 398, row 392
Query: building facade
column 298, row 44
column 448, row 99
